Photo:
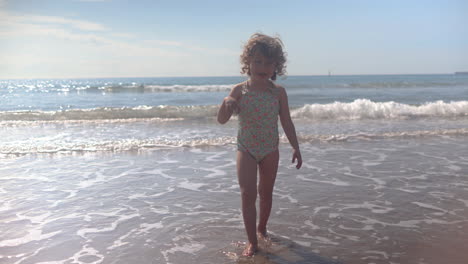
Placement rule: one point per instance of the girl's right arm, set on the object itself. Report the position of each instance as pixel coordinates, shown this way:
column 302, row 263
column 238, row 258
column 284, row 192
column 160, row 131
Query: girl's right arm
column 229, row 104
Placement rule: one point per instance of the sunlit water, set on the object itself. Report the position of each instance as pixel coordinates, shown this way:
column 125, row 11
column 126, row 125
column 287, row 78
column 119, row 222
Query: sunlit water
column 354, row 202
column 98, row 171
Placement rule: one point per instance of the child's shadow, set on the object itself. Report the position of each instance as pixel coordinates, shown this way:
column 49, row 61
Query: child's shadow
column 280, row 250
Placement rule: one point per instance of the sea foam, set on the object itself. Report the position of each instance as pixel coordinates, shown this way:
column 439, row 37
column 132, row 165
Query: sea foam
column 92, row 145
column 356, row 110
column 366, row 109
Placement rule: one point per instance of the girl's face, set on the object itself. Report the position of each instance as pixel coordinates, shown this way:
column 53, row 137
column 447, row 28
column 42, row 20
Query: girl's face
column 261, row 67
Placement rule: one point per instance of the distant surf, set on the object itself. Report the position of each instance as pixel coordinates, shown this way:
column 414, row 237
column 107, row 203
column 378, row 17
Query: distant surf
column 366, row 109
column 359, row 109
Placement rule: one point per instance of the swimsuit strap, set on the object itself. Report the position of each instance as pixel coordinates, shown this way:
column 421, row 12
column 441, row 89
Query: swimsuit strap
column 244, row 88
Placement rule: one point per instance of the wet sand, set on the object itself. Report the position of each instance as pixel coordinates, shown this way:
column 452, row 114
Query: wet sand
column 366, row 201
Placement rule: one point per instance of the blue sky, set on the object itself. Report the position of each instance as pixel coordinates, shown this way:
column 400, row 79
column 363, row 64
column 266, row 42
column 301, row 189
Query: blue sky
column 117, row 38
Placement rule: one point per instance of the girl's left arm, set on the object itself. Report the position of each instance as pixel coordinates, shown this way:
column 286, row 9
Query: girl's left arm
column 288, row 126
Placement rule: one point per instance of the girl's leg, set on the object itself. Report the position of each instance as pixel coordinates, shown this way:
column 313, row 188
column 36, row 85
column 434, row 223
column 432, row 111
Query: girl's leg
column 247, row 176
column 268, row 168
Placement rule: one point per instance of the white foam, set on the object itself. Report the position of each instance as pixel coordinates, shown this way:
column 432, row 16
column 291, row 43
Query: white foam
column 5, row 206
column 146, row 227
column 413, row 223
column 165, row 210
column 169, row 189
column 33, row 235
column 464, row 202
column 89, row 182
column 189, row 248
column 218, row 188
column 52, row 262
column 167, row 161
column 335, row 181
column 143, row 228
column 147, row 113
column 190, row 88
column 288, row 196
column 87, row 250
column 376, row 209
column 309, row 223
column 428, row 206
column 119, row 242
column 216, row 172
column 91, row 145
column 349, row 237
column 366, row 109
column 356, row 110
column 346, row 170
column 35, row 219
column 80, row 145
column 318, row 209
column 137, row 195
column 82, row 232
column 303, row 243
column 191, row 185
column 454, row 167
column 407, row 190
column 321, row 239
column 369, row 136
column 376, row 252
column 160, row 172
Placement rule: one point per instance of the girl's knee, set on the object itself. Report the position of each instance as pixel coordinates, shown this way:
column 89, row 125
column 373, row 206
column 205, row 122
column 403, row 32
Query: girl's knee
column 265, row 194
column 248, row 195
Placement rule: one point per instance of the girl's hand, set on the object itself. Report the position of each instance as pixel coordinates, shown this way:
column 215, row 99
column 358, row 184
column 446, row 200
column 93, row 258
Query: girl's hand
column 297, row 155
column 231, row 104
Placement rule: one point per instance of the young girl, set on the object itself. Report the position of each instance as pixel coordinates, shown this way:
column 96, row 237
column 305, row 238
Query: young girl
column 258, row 102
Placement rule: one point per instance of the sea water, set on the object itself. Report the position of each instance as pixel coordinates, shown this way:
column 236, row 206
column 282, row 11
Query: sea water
column 137, row 170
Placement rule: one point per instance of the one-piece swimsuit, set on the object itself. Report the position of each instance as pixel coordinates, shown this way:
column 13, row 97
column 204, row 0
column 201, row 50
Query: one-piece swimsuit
column 258, row 122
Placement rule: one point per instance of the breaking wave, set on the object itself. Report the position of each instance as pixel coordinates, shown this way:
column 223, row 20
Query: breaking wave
column 356, row 110
column 51, row 147
column 366, row 109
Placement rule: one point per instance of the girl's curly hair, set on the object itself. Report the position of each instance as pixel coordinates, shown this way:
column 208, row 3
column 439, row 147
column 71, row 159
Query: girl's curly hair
column 270, row 47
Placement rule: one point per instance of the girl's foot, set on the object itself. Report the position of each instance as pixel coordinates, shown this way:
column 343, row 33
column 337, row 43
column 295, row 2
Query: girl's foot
column 262, row 234
column 249, row 251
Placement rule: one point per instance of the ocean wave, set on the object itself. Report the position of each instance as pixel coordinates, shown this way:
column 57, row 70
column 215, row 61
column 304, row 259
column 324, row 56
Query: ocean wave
column 112, row 145
column 214, row 84
column 175, row 88
column 189, row 88
column 51, row 147
column 325, row 83
column 109, row 113
column 128, row 88
column 379, row 136
column 397, row 84
column 360, row 109
column 366, row 109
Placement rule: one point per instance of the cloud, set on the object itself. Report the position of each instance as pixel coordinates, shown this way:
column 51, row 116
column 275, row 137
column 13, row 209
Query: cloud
column 54, row 26
column 44, row 46
column 191, row 48
column 78, row 24
column 164, row 43
column 122, row 35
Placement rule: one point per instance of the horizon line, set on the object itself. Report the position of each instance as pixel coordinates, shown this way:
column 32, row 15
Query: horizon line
column 214, row 76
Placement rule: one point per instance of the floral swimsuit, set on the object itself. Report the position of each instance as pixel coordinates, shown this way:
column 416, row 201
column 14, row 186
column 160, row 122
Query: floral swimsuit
column 258, row 122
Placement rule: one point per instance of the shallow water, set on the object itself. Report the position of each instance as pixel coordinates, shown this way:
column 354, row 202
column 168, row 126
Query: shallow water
column 402, row 200
column 138, row 171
